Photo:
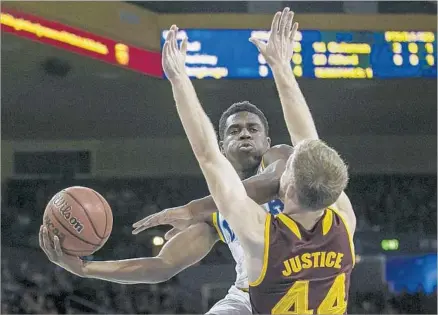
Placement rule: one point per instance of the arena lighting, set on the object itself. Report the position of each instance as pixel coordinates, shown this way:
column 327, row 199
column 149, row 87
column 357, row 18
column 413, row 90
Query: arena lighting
column 81, row 42
column 390, row 244
column 157, row 241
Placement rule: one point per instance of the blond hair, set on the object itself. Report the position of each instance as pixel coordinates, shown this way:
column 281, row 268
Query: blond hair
column 317, row 173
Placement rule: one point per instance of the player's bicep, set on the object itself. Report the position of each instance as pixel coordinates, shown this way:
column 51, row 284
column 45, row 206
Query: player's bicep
column 344, row 206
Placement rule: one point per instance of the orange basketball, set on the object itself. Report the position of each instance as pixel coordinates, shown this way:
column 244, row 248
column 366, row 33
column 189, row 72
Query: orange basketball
column 81, row 218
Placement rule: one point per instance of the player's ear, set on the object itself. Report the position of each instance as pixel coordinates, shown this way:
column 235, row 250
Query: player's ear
column 221, row 147
column 269, row 142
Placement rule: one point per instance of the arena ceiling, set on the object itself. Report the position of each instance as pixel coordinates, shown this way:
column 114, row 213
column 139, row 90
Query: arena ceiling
column 97, row 100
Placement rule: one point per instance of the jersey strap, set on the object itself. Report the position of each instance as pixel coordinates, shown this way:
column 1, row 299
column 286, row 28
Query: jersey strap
column 267, row 242
column 350, row 235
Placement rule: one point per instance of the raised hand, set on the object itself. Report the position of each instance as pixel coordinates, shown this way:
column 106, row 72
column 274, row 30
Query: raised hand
column 179, row 217
column 173, row 59
column 54, row 253
column 279, row 49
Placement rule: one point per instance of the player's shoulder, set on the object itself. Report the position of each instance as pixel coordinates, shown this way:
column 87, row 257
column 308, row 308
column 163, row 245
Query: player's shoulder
column 344, row 209
column 277, row 152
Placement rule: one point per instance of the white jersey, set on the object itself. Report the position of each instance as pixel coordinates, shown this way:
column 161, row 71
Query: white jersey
column 227, row 236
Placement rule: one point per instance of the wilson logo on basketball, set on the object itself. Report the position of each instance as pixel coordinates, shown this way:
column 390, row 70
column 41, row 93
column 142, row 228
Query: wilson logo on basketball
column 65, row 209
column 54, row 229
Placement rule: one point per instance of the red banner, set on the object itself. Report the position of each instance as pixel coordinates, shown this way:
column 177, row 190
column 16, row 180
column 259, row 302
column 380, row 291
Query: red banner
column 81, row 42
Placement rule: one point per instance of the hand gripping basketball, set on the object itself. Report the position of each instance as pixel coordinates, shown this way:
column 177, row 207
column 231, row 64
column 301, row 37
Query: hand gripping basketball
column 279, row 49
column 173, row 59
column 54, row 252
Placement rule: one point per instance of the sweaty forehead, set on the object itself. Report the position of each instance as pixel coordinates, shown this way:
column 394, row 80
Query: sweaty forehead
column 243, row 118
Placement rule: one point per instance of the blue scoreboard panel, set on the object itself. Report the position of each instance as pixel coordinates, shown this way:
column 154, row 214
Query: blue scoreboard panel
column 317, row 54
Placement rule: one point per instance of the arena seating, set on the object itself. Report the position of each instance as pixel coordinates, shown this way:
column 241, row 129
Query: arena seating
column 382, row 203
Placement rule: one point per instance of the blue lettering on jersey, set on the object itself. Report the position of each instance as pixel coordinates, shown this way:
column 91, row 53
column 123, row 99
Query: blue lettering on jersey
column 226, row 227
column 275, row 207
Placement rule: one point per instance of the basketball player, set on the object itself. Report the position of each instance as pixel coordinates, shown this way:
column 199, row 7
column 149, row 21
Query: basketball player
column 300, row 261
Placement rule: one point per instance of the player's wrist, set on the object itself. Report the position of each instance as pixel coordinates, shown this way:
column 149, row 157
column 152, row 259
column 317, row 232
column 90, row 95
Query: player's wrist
column 83, row 270
column 280, row 66
column 179, row 79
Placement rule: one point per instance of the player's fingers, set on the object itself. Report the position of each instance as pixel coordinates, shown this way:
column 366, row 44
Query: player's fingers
column 165, row 50
column 259, row 44
column 283, row 21
column 288, row 27
column 58, row 249
column 40, row 236
column 294, row 31
column 184, row 46
column 151, row 221
column 274, row 25
column 174, row 28
column 171, row 233
column 169, row 34
column 140, row 229
column 173, row 41
column 47, row 245
column 140, row 222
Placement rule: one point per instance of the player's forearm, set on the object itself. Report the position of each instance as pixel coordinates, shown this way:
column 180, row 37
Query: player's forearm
column 182, row 251
column 195, row 121
column 261, row 188
column 130, row 271
column 298, row 118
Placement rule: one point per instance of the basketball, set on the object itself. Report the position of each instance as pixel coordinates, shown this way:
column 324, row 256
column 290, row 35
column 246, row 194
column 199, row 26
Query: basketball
column 81, row 218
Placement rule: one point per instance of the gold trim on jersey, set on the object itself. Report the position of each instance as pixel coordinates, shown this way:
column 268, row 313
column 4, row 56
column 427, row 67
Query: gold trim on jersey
column 216, row 225
column 265, row 254
column 290, row 224
column 262, row 164
column 327, row 221
column 350, row 236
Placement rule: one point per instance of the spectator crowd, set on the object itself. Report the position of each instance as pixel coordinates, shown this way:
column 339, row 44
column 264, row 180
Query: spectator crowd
column 31, row 285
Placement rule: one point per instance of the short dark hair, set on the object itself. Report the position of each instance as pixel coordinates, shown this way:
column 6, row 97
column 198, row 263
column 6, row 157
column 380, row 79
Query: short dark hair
column 244, row 106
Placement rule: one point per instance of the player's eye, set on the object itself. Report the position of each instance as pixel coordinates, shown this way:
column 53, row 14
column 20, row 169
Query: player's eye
column 234, row 132
column 253, row 129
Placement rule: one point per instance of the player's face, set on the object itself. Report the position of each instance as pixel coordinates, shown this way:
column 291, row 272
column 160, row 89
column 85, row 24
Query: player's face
column 245, row 140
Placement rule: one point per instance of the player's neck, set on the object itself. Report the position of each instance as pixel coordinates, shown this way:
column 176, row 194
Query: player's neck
column 245, row 173
column 306, row 218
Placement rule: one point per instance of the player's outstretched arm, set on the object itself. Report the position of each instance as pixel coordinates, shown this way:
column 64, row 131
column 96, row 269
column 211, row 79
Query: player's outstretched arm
column 278, row 54
column 197, row 242
column 261, row 188
column 223, row 182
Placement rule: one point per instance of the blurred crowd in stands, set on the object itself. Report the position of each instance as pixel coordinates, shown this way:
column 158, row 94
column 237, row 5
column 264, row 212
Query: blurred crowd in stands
column 32, row 285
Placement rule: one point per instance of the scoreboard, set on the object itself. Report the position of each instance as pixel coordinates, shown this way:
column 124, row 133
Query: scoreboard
column 221, row 53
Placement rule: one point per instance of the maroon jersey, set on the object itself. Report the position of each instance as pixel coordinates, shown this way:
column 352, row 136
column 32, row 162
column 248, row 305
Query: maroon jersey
column 304, row 272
